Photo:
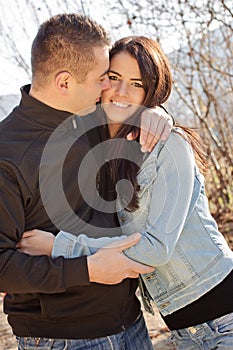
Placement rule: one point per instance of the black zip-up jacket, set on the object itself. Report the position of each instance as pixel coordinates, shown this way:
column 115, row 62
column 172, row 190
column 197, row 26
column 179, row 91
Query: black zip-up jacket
column 46, row 297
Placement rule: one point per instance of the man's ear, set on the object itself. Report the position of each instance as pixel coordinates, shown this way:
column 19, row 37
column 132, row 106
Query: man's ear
column 62, row 82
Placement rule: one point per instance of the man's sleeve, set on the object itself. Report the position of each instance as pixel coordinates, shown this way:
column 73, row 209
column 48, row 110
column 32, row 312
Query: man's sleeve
column 19, row 272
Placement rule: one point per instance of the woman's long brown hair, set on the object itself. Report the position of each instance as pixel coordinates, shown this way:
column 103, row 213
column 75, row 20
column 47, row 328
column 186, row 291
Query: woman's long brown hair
column 157, row 82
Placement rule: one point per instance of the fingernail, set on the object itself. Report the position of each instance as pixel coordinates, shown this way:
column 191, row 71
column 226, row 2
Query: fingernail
column 143, row 149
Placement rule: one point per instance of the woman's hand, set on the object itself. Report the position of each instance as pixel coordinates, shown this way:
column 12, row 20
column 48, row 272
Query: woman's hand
column 36, row 242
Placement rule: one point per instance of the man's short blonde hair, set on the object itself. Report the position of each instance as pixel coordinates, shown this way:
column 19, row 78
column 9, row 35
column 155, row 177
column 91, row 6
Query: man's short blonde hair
column 65, row 43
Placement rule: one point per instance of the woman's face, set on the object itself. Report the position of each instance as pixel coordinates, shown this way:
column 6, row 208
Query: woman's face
column 126, row 93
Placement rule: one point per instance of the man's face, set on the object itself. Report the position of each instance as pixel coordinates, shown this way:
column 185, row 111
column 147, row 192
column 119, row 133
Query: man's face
column 85, row 95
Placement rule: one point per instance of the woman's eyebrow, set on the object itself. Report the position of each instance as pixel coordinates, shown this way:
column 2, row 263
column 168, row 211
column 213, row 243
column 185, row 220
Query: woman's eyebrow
column 104, row 73
column 134, row 79
column 112, row 71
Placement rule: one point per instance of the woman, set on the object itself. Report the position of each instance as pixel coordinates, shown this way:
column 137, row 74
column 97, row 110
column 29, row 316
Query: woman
column 192, row 281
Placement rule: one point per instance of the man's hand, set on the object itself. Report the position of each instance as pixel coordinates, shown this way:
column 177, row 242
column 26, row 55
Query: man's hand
column 109, row 265
column 156, row 125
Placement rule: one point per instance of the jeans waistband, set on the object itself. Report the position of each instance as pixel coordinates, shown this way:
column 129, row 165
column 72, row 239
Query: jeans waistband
column 194, row 331
column 204, row 328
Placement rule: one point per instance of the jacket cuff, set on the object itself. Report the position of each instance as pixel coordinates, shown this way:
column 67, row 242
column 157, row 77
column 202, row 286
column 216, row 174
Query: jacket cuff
column 62, row 246
column 76, row 272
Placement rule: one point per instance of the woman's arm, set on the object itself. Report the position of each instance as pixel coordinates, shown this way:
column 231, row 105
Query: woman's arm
column 38, row 242
column 170, row 200
column 70, row 246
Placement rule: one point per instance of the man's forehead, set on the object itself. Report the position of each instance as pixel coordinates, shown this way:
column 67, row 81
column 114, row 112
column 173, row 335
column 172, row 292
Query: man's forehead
column 101, row 60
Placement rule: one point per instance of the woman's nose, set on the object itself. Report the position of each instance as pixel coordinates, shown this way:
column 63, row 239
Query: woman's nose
column 122, row 89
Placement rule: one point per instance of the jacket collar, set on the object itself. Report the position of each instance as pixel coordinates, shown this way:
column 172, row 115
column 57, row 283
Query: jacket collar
column 40, row 113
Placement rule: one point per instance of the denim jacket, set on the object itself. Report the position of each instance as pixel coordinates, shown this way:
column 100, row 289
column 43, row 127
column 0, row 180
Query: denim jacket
column 180, row 238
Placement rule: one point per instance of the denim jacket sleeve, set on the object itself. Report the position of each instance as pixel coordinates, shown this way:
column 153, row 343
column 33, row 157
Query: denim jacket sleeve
column 71, row 246
column 171, row 193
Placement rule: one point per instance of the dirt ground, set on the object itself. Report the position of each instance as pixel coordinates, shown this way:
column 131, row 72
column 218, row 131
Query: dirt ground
column 157, row 330
column 7, row 340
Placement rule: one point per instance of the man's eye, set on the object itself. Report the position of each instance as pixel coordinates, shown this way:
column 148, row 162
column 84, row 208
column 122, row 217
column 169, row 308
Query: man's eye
column 103, row 78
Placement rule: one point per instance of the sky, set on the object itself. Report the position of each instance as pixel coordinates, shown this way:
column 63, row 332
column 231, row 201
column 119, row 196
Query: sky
column 15, row 15
column 18, row 14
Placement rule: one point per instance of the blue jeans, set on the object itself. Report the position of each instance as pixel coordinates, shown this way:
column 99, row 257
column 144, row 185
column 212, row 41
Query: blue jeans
column 134, row 338
column 216, row 334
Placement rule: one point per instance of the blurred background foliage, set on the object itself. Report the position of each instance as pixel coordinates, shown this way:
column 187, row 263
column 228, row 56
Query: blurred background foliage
column 197, row 35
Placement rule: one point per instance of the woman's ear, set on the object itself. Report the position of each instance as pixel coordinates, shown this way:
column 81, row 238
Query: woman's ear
column 62, row 82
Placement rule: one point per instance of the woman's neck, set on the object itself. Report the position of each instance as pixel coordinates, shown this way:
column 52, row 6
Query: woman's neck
column 113, row 128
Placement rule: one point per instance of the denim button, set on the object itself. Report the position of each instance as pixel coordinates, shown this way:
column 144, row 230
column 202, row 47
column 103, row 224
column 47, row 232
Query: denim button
column 150, row 277
column 162, row 306
column 192, row 330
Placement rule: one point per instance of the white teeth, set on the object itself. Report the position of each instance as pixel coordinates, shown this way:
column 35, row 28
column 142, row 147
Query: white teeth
column 120, row 104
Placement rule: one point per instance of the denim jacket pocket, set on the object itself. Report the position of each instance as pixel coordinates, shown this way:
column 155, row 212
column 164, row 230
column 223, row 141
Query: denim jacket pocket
column 145, row 178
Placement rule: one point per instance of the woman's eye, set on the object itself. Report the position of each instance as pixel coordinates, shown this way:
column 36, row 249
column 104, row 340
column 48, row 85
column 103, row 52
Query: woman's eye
column 139, row 85
column 113, row 77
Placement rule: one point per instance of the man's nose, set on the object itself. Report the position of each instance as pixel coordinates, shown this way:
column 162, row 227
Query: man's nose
column 106, row 84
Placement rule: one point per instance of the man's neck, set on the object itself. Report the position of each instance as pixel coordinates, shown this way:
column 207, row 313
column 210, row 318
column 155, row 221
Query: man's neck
column 47, row 98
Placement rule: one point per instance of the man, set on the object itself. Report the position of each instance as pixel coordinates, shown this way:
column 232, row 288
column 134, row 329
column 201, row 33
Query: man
column 81, row 303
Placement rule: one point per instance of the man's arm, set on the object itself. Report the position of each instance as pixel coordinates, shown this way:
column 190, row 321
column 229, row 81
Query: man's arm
column 115, row 272
column 22, row 273
column 156, row 124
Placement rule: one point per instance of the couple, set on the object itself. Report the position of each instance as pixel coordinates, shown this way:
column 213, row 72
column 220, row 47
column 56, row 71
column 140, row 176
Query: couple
column 191, row 262
column 58, row 303
column 192, row 280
